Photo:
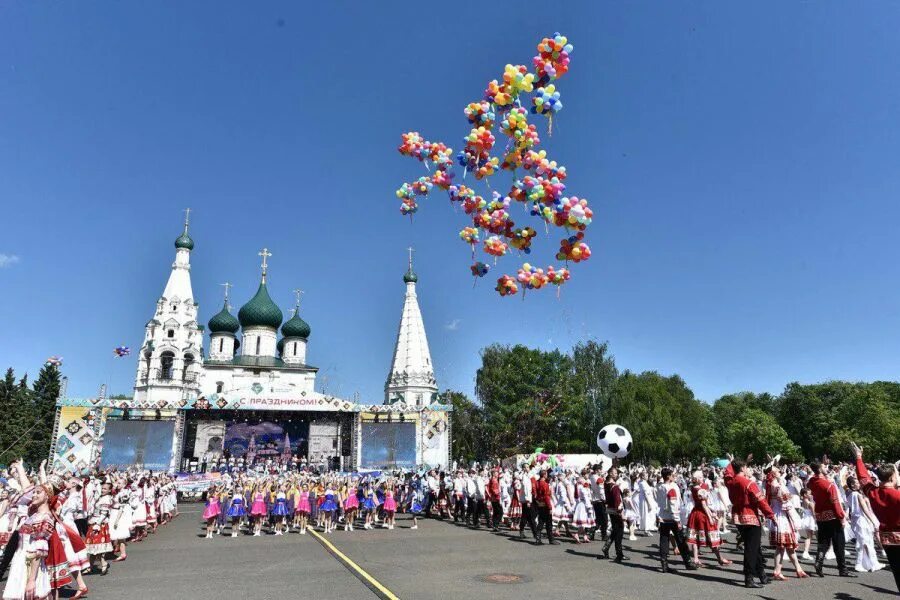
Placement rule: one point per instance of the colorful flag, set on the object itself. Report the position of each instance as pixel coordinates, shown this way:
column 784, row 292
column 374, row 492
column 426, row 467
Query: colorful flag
column 121, row 351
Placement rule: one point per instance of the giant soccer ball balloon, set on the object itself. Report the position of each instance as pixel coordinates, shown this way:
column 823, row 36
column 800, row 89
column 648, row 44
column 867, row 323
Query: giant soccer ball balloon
column 614, row 441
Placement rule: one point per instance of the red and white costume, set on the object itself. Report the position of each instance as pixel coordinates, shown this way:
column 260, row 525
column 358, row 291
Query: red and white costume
column 700, row 526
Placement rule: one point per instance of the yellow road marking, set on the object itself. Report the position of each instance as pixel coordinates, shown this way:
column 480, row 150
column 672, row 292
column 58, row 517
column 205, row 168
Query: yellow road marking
column 374, row 582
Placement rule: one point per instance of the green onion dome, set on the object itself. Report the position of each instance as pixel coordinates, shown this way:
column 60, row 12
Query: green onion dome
column 223, row 322
column 410, row 276
column 280, row 346
column 184, row 241
column 260, row 311
column 295, row 327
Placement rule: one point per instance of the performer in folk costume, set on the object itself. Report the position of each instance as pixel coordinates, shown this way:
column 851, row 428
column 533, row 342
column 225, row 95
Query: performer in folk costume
column 864, row 524
column 98, row 540
column 514, row 511
column 885, row 503
column 668, row 499
column 29, row 576
column 784, row 525
column 583, row 514
column 562, row 505
column 615, row 508
column 807, row 526
column 645, row 504
column 746, row 502
column 829, row 519
column 120, row 523
column 701, row 524
column 138, row 511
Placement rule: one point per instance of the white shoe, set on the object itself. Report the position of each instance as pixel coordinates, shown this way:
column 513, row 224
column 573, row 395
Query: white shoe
column 806, row 556
column 234, row 534
column 414, row 527
column 302, row 532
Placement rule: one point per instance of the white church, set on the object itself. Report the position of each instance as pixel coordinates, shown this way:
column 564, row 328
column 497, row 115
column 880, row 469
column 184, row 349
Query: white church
column 255, row 366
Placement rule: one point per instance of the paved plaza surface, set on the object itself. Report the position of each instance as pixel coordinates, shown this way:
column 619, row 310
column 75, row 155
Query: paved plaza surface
column 439, row 560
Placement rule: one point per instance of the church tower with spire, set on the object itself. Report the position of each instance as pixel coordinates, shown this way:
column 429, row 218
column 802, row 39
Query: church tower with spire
column 411, row 378
column 172, row 352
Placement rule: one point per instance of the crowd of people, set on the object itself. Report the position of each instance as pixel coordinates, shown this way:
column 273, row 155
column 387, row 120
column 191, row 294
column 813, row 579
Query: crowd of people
column 56, row 529
column 690, row 508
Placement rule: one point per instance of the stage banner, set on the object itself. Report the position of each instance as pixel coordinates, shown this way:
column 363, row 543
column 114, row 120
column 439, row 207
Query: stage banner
column 196, row 482
column 75, row 441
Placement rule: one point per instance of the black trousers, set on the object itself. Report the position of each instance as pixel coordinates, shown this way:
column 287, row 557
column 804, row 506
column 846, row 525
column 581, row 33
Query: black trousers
column 480, row 509
column 754, row 561
column 545, row 521
column 617, row 532
column 667, row 528
column 528, row 516
column 471, row 504
column 82, row 526
column 831, row 533
column 8, row 553
column 893, row 553
column 459, row 507
column 497, row 509
column 601, row 517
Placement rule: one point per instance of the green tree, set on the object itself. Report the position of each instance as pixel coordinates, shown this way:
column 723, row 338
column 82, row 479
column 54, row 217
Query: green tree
column 45, row 394
column 666, row 421
column 528, row 400
column 16, row 408
column 467, row 422
column 757, row 432
column 595, row 376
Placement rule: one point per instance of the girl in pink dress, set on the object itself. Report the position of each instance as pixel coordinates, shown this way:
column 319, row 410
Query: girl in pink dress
column 212, row 510
column 258, row 509
column 303, row 507
column 390, row 506
column 351, row 505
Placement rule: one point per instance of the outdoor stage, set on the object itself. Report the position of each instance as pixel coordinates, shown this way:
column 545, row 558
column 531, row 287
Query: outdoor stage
column 314, row 429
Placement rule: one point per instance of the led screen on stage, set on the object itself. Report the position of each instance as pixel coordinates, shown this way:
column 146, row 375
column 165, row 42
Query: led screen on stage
column 146, row 444
column 388, row 445
column 266, row 439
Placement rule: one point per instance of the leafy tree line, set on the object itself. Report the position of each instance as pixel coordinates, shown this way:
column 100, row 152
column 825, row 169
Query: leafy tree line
column 27, row 414
column 528, row 398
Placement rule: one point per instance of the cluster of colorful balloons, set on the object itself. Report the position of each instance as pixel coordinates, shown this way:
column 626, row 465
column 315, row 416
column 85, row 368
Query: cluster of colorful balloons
column 54, row 361
column 538, row 181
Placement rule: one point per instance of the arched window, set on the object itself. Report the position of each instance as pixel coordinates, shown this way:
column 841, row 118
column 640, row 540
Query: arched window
column 219, row 387
column 188, row 361
column 294, row 351
column 171, row 333
column 258, row 340
column 166, row 362
column 221, row 343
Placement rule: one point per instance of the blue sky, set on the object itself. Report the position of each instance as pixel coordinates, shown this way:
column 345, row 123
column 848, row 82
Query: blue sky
column 741, row 163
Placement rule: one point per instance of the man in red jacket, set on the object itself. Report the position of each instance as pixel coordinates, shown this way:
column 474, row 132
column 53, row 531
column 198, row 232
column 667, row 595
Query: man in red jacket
column 885, row 500
column 615, row 507
column 543, row 498
column 830, row 519
column 494, row 498
column 746, row 504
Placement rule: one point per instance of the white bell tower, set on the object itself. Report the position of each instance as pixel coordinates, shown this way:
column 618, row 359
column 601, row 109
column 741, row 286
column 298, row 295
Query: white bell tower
column 172, row 353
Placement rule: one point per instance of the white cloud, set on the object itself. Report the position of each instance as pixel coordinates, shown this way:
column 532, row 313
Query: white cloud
column 7, row 260
column 453, row 325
